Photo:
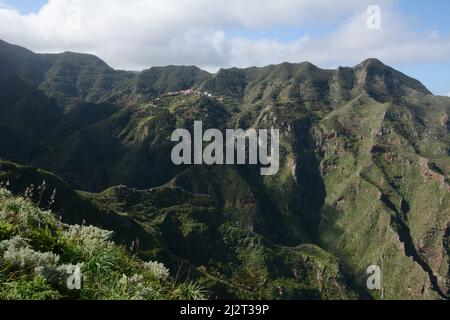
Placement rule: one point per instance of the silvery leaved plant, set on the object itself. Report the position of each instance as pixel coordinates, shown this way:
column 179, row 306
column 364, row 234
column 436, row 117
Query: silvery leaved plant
column 136, row 288
column 57, row 275
column 87, row 234
column 157, row 269
column 20, row 256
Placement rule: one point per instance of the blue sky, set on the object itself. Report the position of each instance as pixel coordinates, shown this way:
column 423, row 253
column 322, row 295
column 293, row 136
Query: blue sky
column 432, row 15
column 26, row 6
column 415, row 39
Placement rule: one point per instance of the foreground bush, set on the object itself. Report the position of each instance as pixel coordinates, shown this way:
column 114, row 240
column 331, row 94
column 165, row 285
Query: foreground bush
column 43, row 258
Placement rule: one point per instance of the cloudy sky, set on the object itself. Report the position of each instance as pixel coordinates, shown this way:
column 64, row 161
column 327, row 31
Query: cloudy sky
column 411, row 35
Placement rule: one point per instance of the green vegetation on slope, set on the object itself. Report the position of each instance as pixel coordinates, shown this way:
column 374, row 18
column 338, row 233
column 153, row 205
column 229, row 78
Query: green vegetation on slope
column 364, row 171
column 191, row 234
column 39, row 253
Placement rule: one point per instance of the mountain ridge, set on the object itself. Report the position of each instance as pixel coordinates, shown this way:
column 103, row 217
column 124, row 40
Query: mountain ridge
column 91, row 61
column 364, row 174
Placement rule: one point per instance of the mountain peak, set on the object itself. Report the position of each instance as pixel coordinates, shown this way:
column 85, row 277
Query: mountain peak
column 80, row 59
column 383, row 81
column 370, row 62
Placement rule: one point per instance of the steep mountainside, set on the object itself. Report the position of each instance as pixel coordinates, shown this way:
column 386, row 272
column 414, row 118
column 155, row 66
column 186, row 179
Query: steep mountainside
column 364, row 175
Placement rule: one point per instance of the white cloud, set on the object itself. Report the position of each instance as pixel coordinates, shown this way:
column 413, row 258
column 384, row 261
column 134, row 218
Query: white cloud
column 135, row 34
column 349, row 44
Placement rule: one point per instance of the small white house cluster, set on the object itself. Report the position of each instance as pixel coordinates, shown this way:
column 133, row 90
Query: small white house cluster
column 189, row 92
